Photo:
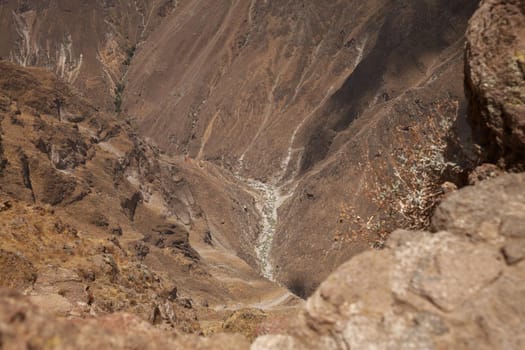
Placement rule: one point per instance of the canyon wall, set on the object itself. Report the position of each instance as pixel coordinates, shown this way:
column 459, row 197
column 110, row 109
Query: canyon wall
column 342, row 117
column 86, row 43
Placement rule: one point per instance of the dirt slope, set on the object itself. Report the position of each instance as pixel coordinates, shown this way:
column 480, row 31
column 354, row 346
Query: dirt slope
column 86, row 43
column 94, row 221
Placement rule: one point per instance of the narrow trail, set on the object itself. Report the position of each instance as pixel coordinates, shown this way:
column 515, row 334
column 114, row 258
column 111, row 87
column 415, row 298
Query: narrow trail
column 278, row 301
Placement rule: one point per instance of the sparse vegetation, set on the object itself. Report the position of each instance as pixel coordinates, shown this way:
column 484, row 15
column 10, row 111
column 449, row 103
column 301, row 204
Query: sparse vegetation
column 130, row 52
column 244, row 321
column 354, row 228
column 418, row 168
column 119, row 89
column 407, row 186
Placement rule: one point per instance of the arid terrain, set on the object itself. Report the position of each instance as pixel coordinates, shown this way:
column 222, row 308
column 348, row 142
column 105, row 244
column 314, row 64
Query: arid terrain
column 262, row 174
column 317, row 111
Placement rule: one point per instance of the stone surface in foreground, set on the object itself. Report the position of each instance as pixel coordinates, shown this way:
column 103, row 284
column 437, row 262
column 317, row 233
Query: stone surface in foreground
column 426, row 290
column 24, row 326
column 450, row 289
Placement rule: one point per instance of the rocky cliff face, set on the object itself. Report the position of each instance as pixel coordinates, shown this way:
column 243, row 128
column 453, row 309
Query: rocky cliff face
column 87, row 43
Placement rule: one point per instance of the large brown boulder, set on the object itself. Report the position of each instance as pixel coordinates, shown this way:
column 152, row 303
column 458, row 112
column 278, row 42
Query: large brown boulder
column 487, row 211
column 495, row 80
column 444, row 290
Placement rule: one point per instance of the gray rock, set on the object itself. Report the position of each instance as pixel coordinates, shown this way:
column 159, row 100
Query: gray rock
column 488, row 211
column 423, row 291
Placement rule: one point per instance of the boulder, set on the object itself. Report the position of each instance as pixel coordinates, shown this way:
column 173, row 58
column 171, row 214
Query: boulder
column 423, row 291
column 459, row 287
column 489, row 211
column 495, row 80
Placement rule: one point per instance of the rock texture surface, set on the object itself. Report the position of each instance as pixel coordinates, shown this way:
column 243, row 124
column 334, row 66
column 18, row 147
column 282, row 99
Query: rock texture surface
column 449, row 289
column 23, row 325
column 490, row 211
column 495, row 80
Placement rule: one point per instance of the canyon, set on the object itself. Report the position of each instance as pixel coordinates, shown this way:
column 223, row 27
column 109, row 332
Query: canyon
column 264, row 174
column 318, row 110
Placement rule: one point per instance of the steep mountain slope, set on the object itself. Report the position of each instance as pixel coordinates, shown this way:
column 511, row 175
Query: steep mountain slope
column 336, row 115
column 94, row 221
column 87, row 43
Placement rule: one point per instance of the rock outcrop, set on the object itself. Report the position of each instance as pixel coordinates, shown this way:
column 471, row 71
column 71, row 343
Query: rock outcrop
column 459, row 288
column 490, row 211
column 495, row 80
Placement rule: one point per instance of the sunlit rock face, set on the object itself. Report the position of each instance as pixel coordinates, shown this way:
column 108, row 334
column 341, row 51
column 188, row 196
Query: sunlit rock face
column 495, row 81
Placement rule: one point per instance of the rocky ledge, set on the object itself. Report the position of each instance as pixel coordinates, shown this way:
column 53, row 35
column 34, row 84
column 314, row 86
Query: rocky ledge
column 459, row 287
column 495, row 80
